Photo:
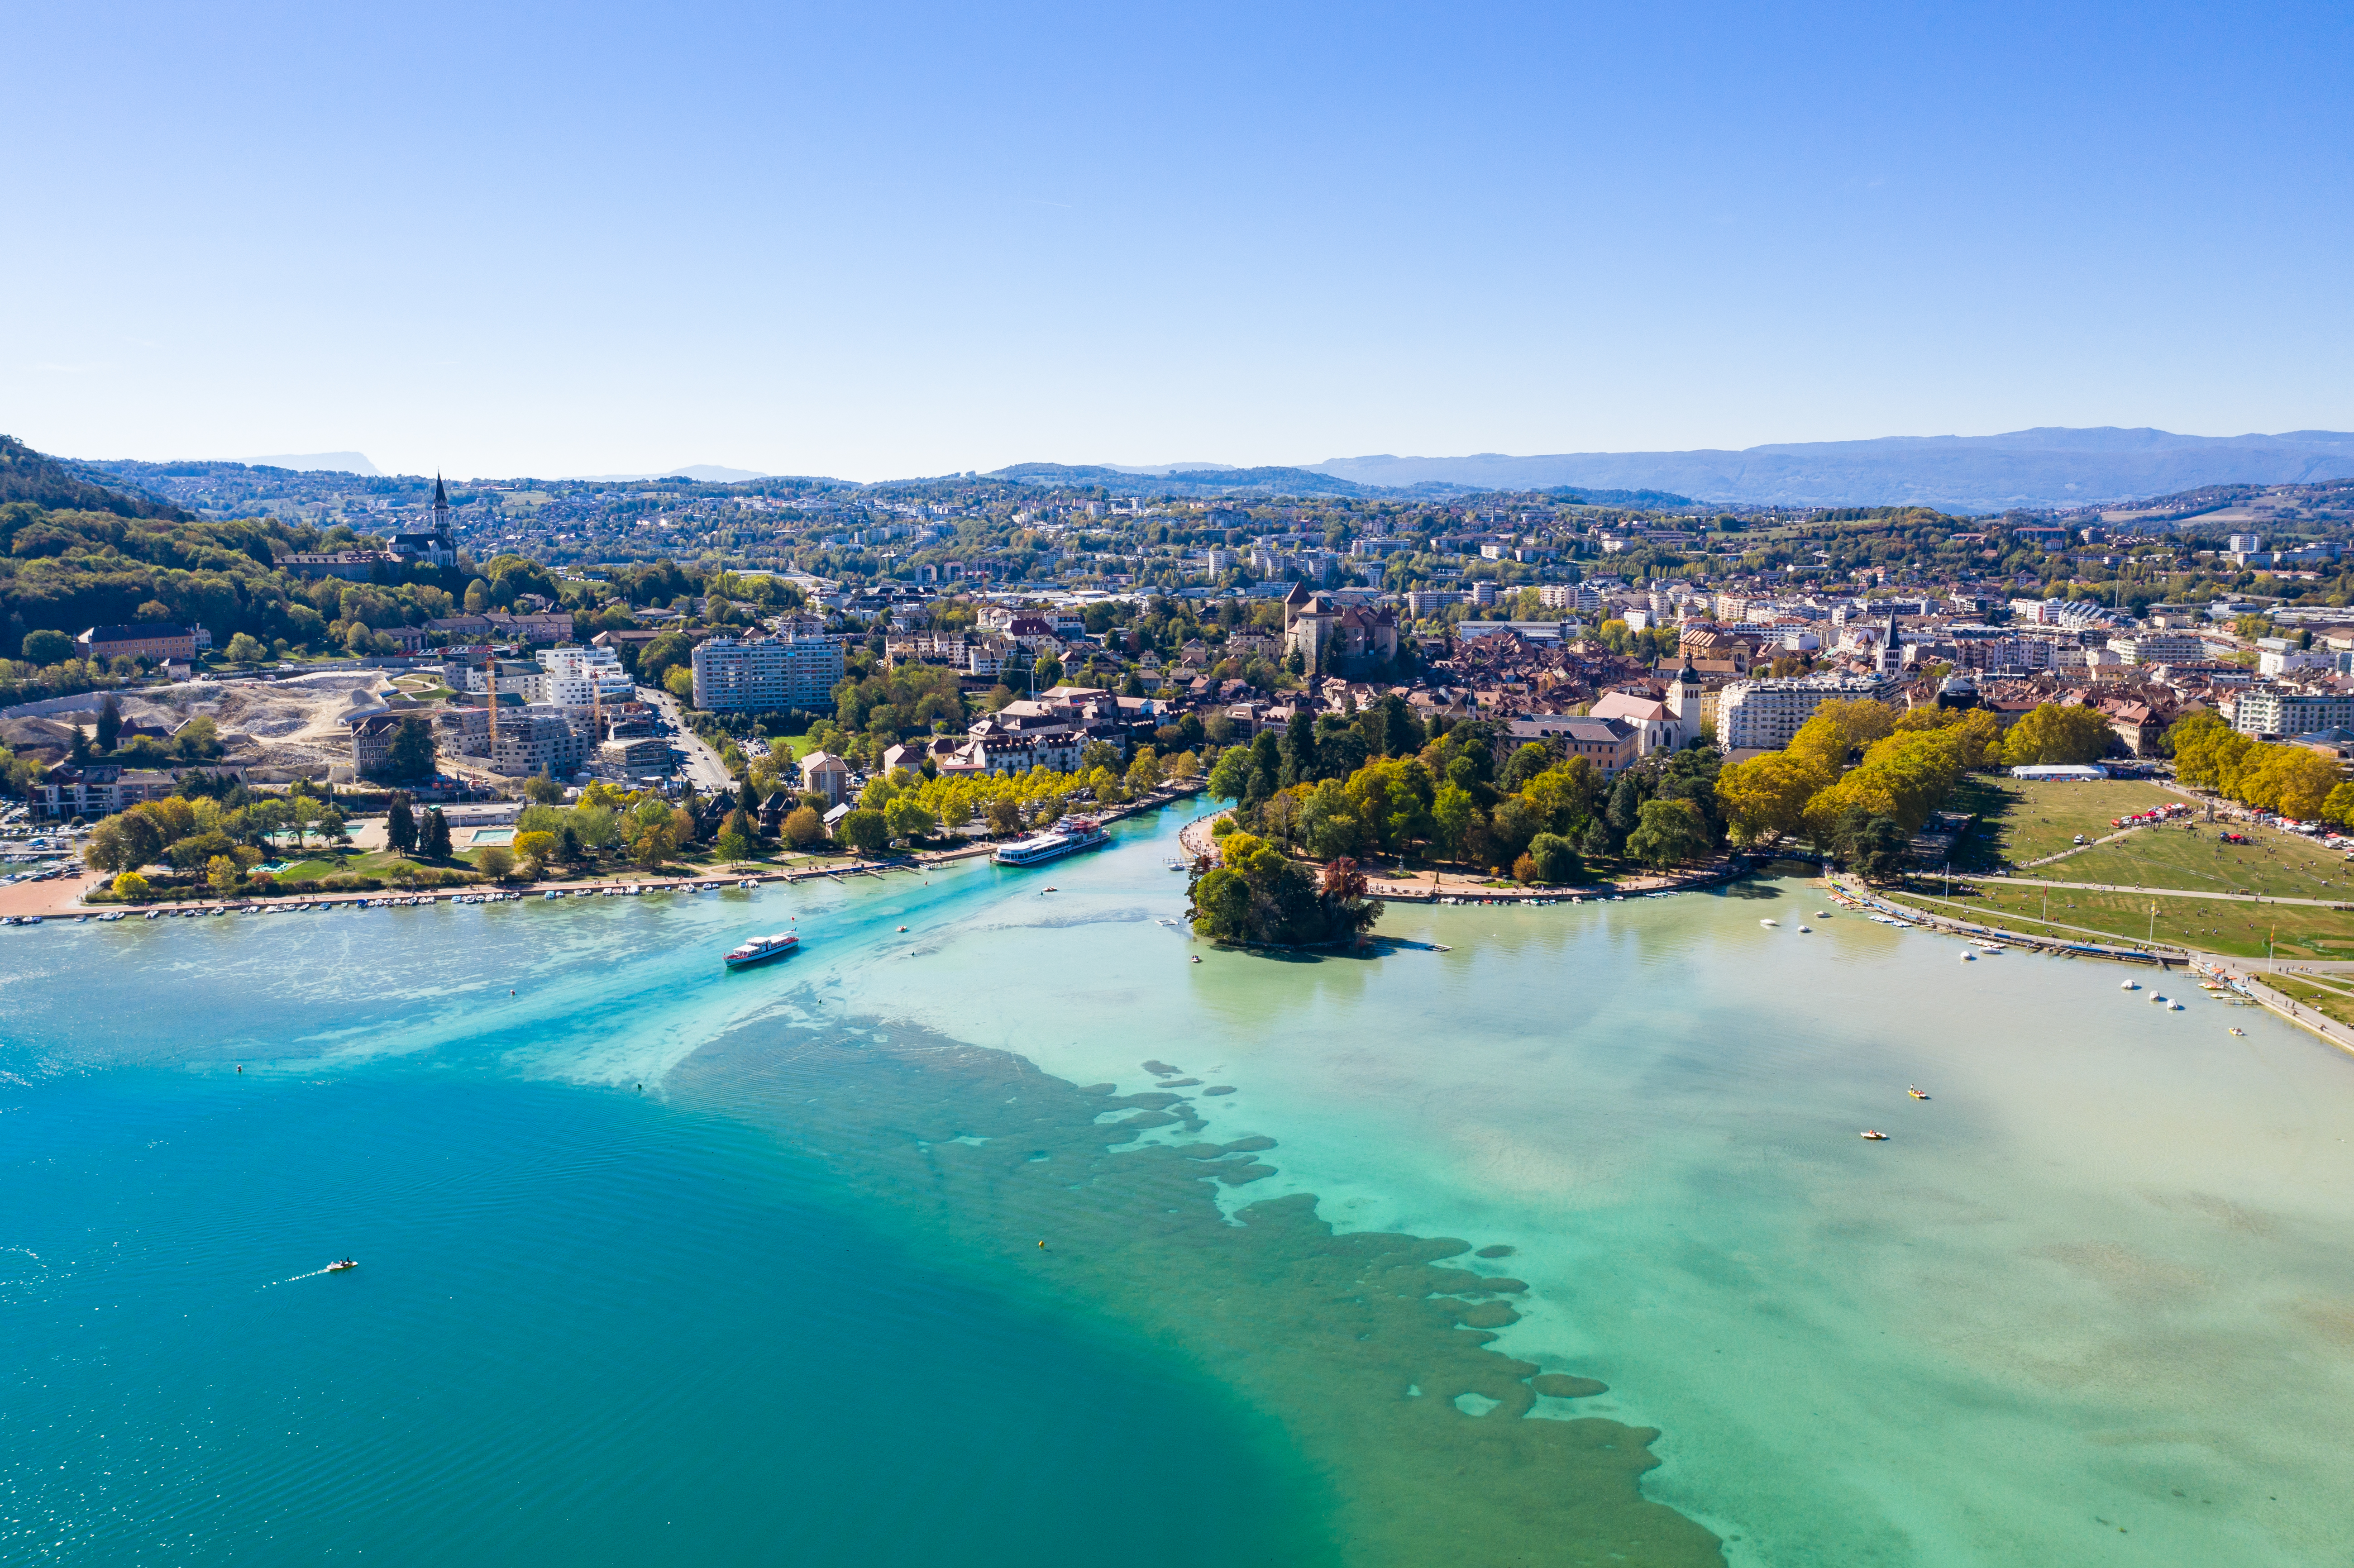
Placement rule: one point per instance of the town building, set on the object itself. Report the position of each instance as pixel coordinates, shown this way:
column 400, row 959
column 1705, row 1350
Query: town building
column 540, row 738
column 823, row 773
column 1326, row 634
column 2271, row 712
column 1763, row 715
column 155, row 642
column 765, row 675
column 94, row 790
column 2159, row 648
column 372, row 738
column 640, row 754
column 352, row 566
column 586, row 678
column 1611, row 745
column 435, row 544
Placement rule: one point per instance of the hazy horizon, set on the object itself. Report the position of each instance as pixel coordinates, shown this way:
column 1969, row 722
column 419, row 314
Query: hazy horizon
column 922, row 241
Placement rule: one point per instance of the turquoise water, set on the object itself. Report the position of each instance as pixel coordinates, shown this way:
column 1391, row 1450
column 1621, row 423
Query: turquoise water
column 586, row 1330
column 662, row 1262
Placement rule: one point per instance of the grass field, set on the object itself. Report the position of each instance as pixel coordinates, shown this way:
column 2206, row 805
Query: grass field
column 2237, row 929
column 2019, row 821
column 2336, row 1004
column 375, row 862
column 2277, row 865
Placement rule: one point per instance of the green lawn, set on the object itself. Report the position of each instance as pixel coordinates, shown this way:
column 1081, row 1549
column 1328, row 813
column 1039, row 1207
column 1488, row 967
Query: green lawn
column 2334, row 1004
column 2020, row 820
column 2239, row 929
column 2277, row 865
column 375, row 862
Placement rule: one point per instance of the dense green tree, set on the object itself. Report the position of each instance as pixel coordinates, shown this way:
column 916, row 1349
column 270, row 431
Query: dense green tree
column 1878, row 850
column 411, row 755
column 433, row 838
column 110, row 723
column 1299, row 755
column 401, row 823
column 1668, row 832
column 47, row 647
column 1554, row 858
column 1256, row 894
column 864, row 831
column 1400, row 732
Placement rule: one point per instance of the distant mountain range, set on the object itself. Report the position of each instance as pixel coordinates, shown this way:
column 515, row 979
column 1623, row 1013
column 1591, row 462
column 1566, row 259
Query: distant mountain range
column 2047, row 467
column 320, row 462
column 703, row 472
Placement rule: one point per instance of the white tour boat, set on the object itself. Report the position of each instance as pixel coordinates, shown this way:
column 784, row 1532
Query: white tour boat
column 1067, row 837
column 760, row 950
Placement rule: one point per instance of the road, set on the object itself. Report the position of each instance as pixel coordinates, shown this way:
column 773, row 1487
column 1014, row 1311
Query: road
column 703, row 770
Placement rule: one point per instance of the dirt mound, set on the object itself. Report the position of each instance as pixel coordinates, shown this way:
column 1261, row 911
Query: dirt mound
column 43, row 739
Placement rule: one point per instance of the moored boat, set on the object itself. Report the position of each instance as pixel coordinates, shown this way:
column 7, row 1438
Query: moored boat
column 1067, row 837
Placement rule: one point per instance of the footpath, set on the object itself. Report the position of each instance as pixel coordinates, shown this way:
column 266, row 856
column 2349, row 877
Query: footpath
column 2240, row 981
column 62, row 898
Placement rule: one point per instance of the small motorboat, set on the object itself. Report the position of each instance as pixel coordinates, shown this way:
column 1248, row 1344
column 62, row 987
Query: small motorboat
column 1874, row 1136
column 1769, row 922
column 1807, row 929
column 2173, row 1007
column 1052, row 890
column 2235, row 1031
column 342, row 1263
column 2157, row 1000
column 2129, row 985
column 1969, row 957
column 1917, row 1094
column 903, row 928
column 1197, row 959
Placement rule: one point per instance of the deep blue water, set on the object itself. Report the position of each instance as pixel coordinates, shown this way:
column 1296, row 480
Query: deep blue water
column 588, row 1328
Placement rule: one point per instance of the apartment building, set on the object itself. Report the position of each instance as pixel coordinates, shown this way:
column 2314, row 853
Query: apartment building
column 155, row 642
column 765, row 675
column 2274, row 711
column 2159, row 648
column 541, row 739
column 1762, row 716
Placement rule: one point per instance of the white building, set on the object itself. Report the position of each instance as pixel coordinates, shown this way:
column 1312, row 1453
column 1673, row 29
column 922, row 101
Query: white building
column 585, row 678
column 2159, row 648
column 766, row 676
column 1762, row 716
column 2270, row 710
column 2287, row 661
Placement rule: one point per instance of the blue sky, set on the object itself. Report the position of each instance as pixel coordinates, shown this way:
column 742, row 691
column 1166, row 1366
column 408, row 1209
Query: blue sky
column 878, row 240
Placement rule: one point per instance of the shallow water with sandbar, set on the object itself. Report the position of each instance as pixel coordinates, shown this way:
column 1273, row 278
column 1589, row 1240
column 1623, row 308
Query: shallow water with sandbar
column 1544, row 1229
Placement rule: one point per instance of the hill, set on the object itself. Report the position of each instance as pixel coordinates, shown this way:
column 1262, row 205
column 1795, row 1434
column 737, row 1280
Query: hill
column 320, row 462
column 1185, row 482
column 2046, row 467
column 42, row 479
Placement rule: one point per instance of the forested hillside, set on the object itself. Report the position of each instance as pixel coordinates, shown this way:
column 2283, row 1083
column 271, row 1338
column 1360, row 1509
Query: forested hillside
column 74, row 555
column 36, row 477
